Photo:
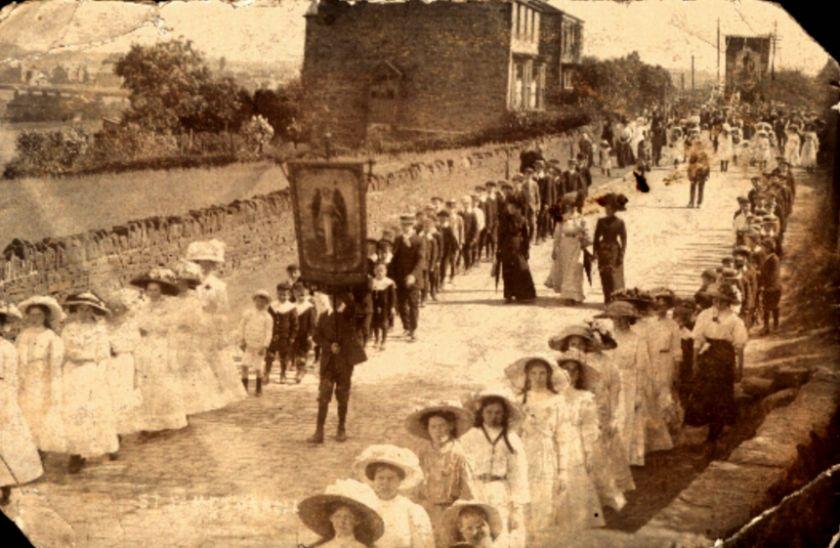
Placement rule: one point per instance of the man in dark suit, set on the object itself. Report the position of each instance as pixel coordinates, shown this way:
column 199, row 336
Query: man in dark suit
column 407, row 270
column 470, row 232
column 342, row 351
column 448, row 245
column 491, row 220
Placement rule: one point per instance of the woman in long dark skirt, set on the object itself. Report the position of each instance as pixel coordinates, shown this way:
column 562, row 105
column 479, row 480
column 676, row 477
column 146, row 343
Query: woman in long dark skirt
column 513, row 255
column 610, row 244
column 719, row 338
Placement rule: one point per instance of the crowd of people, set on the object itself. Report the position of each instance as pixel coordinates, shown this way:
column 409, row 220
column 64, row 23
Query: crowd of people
column 547, row 451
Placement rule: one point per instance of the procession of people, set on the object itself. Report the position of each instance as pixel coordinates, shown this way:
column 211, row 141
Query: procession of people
column 511, row 465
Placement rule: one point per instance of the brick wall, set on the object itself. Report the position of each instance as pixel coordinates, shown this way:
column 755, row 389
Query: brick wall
column 454, row 57
column 255, row 230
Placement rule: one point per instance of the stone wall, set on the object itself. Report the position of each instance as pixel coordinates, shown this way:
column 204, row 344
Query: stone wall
column 254, row 229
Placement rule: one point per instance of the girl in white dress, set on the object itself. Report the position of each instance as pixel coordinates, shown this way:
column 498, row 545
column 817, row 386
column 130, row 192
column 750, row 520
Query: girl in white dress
column 343, row 516
column 86, row 408
column 120, row 372
column 160, row 385
column 192, row 327
column 792, row 145
column 388, row 469
column 19, row 460
column 559, row 433
column 725, row 150
column 810, row 147
column 570, row 238
column 41, row 355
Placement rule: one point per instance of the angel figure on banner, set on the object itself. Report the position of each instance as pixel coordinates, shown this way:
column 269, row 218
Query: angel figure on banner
column 329, row 219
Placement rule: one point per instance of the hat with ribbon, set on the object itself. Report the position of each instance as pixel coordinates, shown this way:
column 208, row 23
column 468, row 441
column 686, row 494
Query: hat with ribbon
column 619, row 309
column 315, row 511
column 561, row 342
column 89, row 299
column 399, row 458
column 8, row 310
column 417, row 422
column 163, row 277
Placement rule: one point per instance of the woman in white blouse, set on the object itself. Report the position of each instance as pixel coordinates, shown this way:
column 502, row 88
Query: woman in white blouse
column 19, row 460
column 86, row 408
column 388, row 469
column 719, row 338
column 498, row 460
column 41, row 355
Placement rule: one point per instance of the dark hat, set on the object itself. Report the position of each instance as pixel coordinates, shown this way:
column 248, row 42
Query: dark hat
column 507, row 186
column 408, row 219
column 611, row 199
column 709, row 273
column 437, row 199
column 560, row 342
column 490, row 184
column 724, row 292
column 443, row 214
column 90, row 299
column 743, row 200
column 619, row 309
column 741, row 250
column 479, row 188
column 283, row 286
column 451, row 202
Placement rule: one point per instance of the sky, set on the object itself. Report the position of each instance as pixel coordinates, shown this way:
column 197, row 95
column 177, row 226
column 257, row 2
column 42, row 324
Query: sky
column 664, row 32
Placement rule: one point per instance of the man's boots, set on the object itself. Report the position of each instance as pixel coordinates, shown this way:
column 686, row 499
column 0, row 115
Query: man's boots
column 318, row 436
column 245, row 383
column 258, row 391
column 341, row 434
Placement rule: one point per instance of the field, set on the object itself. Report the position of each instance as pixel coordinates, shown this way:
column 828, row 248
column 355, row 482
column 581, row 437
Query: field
column 34, row 208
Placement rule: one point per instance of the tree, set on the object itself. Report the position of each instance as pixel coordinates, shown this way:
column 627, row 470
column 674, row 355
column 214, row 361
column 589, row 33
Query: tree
column 165, row 82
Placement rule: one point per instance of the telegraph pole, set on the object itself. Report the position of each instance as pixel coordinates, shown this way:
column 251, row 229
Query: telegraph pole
column 718, row 52
column 692, row 73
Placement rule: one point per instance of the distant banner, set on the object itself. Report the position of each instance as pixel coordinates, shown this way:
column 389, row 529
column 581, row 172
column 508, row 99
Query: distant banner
column 330, row 221
column 747, row 64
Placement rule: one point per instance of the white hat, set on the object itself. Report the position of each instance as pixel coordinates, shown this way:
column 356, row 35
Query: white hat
column 451, row 515
column 414, row 423
column 9, row 310
column 188, row 271
column 261, row 293
column 209, row 250
column 315, row 511
column 398, row 457
column 56, row 313
column 503, row 393
column 88, row 299
column 516, row 372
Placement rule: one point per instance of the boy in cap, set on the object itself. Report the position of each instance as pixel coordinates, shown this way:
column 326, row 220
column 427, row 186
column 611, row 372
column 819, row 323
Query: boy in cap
column 448, row 246
column 431, row 260
column 284, row 318
column 255, row 332
column 771, row 286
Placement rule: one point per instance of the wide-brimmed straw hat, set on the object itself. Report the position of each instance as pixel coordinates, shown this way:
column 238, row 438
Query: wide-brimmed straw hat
column 724, row 292
column 208, row 250
column 417, row 422
column 55, row 312
column 399, row 457
column 501, row 393
column 619, row 309
column 188, row 271
column 8, row 310
column 261, row 293
column 451, row 515
column 90, row 299
column 665, row 294
column 560, row 342
column 164, row 277
column 315, row 511
column 638, row 298
column 517, row 372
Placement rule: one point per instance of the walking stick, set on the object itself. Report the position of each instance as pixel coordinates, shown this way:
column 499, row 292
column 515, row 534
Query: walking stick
column 9, row 468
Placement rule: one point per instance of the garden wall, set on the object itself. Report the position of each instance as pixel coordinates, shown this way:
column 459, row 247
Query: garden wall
column 254, row 229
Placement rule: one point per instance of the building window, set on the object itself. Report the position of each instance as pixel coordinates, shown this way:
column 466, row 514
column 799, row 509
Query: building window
column 518, row 20
column 536, row 26
column 539, row 78
column 533, row 20
column 525, row 20
column 568, row 83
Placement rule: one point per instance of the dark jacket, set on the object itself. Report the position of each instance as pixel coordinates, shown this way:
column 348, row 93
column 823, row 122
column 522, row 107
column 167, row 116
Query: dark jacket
column 341, row 329
column 285, row 327
column 408, row 259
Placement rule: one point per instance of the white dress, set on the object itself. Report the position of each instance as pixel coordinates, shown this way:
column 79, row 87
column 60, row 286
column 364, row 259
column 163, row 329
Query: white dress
column 120, row 375
column 724, row 151
column 664, row 350
column 160, row 385
column 792, row 149
column 86, row 407
column 501, row 477
column 631, row 359
column 407, row 524
column 189, row 331
column 41, row 354
column 566, row 277
column 810, row 146
column 19, row 459
column 214, row 298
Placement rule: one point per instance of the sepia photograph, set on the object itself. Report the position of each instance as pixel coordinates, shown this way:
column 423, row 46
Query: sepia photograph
column 419, row 274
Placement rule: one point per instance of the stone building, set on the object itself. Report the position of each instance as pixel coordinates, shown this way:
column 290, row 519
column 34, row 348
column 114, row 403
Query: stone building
column 400, row 70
